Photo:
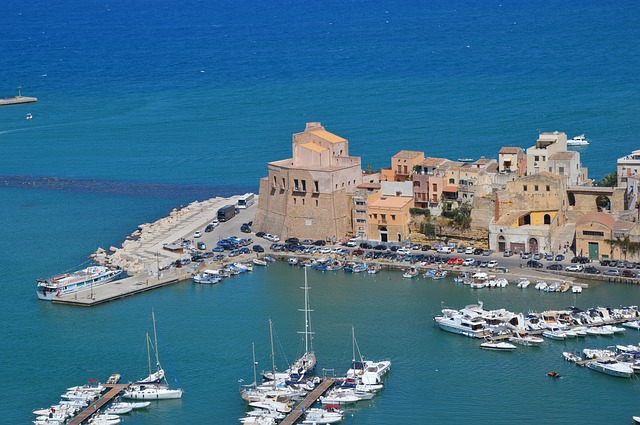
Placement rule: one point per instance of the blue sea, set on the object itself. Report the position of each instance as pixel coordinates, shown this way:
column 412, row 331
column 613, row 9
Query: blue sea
column 148, row 105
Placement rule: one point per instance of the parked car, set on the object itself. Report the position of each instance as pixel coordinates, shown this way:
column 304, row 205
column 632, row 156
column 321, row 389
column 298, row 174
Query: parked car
column 534, row 264
column 245, row 228
column 209, row 228
column 559, row 257
column 260, row 234
column 548, row 257
column 484, row 263
column 425, row 247
column 366, row 245
column 538, row 256
column 201, row 246
column 592, row 270
column 507, row 253
column 526, row 255
column 257, row 248
column 380, row 247
column 574, row 268
column 629, row 273
column 319, row 242
column 197, row 234
column 555, row 266
column 469, row 250
column 469, row 262
column 404, row 251
column 612, row 272
column 477, row 251
column 445, row 249
column 492, row 264
column 487, row 252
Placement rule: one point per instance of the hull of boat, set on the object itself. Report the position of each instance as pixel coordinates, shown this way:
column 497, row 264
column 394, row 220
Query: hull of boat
column 462, row 331
column 616, row 370
column 91, row 277
column 153, row 394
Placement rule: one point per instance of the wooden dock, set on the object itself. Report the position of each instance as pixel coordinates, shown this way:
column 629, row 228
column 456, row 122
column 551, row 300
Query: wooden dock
column 113, row 392
column 311, row 398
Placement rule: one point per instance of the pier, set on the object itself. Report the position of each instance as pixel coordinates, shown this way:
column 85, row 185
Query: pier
column 113, row 392
column 17, row 100
column 308, row 401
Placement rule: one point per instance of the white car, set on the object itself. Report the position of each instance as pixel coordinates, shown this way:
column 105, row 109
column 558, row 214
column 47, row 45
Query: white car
column 469, row 262
column 197, row 234
column 445, row 250
column 271, row 238
column 574, row 268
column 492, row 264
column 404, row 251
column 469, row 250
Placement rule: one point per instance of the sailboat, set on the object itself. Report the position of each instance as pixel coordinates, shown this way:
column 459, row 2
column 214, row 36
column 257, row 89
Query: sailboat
column 307, row 363
column 150, row 388
column 365, row 372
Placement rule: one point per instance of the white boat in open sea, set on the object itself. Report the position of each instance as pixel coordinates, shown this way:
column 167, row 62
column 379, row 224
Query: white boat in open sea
column 578, row 141
column 69, row 283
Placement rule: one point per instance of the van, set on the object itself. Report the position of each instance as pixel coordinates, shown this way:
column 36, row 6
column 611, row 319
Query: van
column 445, row 250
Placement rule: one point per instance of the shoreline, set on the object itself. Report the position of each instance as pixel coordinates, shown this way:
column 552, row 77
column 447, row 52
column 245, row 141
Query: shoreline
column 148, row 264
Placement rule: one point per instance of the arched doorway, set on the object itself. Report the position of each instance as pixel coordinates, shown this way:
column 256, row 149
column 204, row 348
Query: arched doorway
column 384, row 237
column 502, row 244
column 547, row 219
column 533, row 245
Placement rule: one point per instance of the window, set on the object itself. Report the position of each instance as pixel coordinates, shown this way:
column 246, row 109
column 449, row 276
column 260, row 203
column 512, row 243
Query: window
column 524, row 188
column 275, row 181
column 359, row 202
column 283, row 185
column 536, row 158
column 296, row 184
column 316, row 202
column 535, row 188
column 592, row 233
column 452, row 181
column 561, row 170
column 315, row 186
column 393, row 217
column 302, row 201
column 304, row 185
column 360, row 220
column 548, row 188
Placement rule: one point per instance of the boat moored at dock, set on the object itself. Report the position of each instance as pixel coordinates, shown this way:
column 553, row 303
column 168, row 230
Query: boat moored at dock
column 69, row 283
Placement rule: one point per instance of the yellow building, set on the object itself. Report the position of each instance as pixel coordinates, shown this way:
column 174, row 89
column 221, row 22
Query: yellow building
column 402, row 165
column 389, row 213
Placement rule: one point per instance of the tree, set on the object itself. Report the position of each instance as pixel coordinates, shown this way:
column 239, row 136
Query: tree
column 462, row 216
column 610, row 180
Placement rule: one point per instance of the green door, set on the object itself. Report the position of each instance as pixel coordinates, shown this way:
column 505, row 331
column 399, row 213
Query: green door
column 593, row 250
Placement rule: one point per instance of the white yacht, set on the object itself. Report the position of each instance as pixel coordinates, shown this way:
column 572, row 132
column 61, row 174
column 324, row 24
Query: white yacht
column 611, row 367
column 580, row 140
column 462, row 324
column 69, row 283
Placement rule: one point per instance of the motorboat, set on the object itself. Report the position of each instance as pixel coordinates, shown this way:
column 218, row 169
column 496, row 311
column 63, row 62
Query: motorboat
column 491, row 344
column 207, row 276
column 571, row 357
column 104, row 419
column 634, row 324
column 594, row 353
column 373, row 268
column 576, row 289
column 523, row 282
column 115, row 409
column 554, row 333
column 321, row 416
column 579, row 140
column 259, row 262
column 410, row 273
column 292, row 261
column 340, row 396
column 525, row 339
column 611, row 367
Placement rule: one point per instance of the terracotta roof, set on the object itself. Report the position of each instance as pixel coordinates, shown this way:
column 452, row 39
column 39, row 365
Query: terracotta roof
column 408, row 154
column 451, row 189
column 432, row 162
column 605, row 219
column 391, row 202
column 510, row 150
column 329, row 137
column 314, row 147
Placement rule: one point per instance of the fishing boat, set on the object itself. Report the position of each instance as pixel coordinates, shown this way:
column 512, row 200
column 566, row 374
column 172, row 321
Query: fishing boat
column 571, row 357
column 150, row 388
column 410, row 273
column 207, row 276
column 68, row 283
column 373, row 268
column 579, row 140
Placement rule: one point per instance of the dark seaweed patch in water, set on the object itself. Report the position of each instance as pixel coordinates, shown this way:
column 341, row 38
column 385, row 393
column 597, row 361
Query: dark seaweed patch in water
column 164, row 190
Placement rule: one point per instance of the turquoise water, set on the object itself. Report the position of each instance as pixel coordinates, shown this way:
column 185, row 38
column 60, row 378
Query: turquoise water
column 150, row 106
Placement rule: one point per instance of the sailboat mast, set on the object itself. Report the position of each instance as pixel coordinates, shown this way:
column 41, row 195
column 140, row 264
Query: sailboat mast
column 306, row 313
column 148, row 354
column 255, row 377
column 353, row 344
column 155, row 338
column 273, row 356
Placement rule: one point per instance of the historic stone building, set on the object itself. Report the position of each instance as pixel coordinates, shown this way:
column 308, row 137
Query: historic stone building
column 530, row 215
column 512, row 160
column 402, row 166
column 595, row 233
column 310, row 194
